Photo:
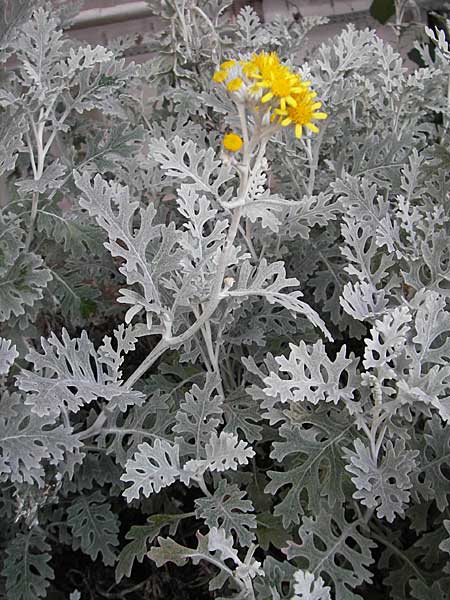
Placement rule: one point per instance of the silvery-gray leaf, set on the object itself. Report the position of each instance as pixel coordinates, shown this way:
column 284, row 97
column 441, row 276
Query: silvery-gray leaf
column 94, row 527
column 337, row 536
column 152, row 468
column 27, row 569
column 29, row 441
column 308, row 587
column 227, row 508
column 8, row 355
column 384, row 485
column 71, row 373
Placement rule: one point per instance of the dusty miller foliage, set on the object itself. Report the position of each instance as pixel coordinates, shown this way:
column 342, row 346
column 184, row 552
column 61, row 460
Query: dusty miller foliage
column 150, row 359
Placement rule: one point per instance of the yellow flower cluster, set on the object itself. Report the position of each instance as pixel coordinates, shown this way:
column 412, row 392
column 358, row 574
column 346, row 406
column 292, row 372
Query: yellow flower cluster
column 269, row 85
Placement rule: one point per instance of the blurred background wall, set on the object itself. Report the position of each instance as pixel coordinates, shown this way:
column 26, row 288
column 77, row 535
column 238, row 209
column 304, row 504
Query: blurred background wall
column 101, row 21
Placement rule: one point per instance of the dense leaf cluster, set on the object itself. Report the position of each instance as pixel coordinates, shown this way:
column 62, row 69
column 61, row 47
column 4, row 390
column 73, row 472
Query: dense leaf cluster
column 254, row 377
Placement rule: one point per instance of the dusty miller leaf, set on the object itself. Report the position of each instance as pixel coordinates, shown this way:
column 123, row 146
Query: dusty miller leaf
column 312, row 376
column 193, row 166
column 8, row 355
column 71, row 373
column 269, row 281
column 141, row 536
column 148, row 251
column 307, row 587
column 226, row 508
column 26, row 567
column 198, row 417
column 430, row 477
column 11, row 133
column 94, row 527
column 222, row 452
column 22, row 285
column 51, row 179
column 313, row 467
column 387, row 342
column 335, row 537
column 216, row 546
column 29, row 441
column 151, row 468
column 384, row 485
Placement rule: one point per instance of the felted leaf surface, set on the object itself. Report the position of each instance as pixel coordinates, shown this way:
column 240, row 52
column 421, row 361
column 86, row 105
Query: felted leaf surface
column 365, row 261
column 71, row 373
column 8, row 355
column 222, row 452
column 192, row 166
column 94, row 527
column 106, row 147
column 141, row 536
column 216, row 546
column 22, row 285
column 385, row 485
column 11, row 242
column 39, row 48
column 307, row 587
column 51, row 179
column 335, row 550
column 269, row 281
column 242, row 416
column 198, row 417
column 312, row 468
column 388, row 339
column 429, row 374
column 11, row 133
column 430, row 478
column 312, row 376
column 148, row 251
column 226, row 508
column 152, row 468
column 26, row 567
column 29, row 441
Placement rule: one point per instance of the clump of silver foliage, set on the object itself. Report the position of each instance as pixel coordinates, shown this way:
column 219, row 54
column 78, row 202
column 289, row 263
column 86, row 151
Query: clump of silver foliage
column 153, row 339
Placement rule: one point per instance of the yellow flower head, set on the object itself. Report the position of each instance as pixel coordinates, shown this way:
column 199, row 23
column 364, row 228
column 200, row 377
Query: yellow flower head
column 220, row 76
column 276, row 79
column 234, row 84
column 303, row 113
column 260, row 65
column 232, row 142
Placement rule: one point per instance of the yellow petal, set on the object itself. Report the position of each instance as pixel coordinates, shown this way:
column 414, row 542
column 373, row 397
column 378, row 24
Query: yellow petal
column 312, row 127
column 298, row 131
column 320, row 116
column 316, row 105
column 283, row 104
column 286, row 121
column 228, row 64
column 290, row 100
column 267, row 97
